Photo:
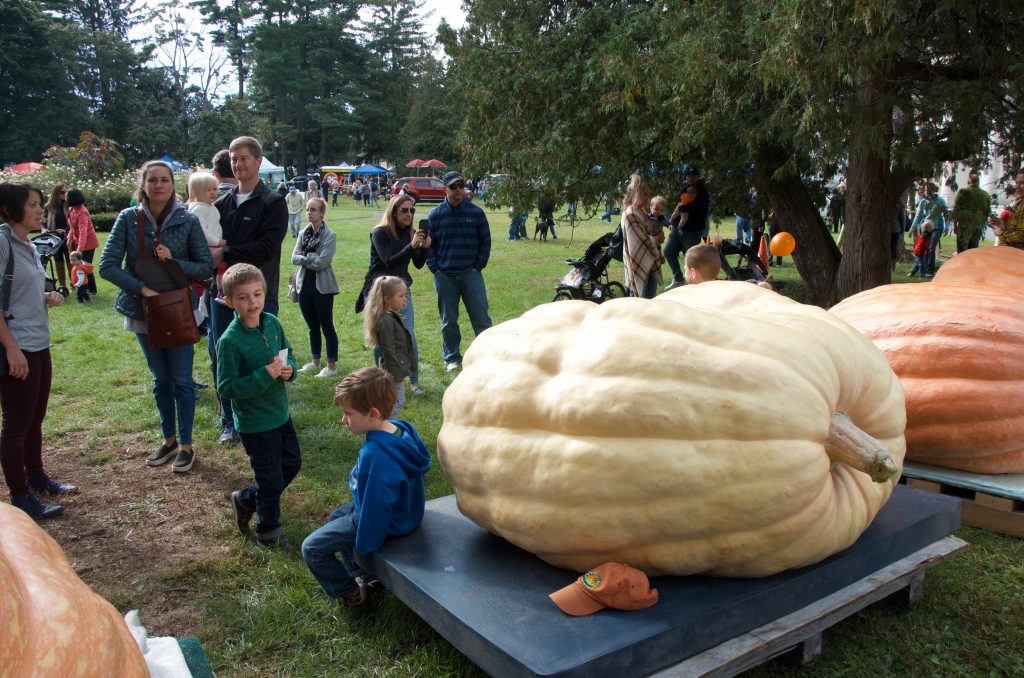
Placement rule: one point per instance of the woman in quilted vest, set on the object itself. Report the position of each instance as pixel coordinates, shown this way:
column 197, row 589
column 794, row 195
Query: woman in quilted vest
column 165, row 219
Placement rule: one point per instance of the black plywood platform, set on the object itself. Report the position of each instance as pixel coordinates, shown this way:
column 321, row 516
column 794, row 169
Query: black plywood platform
column 490, row 599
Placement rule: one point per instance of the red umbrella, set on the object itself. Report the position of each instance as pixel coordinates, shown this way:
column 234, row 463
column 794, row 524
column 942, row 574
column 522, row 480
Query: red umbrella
column 25, row 167
column 434, row 163
column 415, row 162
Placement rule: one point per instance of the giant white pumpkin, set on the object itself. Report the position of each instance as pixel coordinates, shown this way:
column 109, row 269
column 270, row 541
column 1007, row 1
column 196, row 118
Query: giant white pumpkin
column 51, row 622
column 704, row 431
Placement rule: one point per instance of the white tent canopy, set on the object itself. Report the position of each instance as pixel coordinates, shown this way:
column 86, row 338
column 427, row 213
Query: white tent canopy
column 270, row 172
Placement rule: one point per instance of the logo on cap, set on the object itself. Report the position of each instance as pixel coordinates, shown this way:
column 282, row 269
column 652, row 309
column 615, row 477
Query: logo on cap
column 609, row 585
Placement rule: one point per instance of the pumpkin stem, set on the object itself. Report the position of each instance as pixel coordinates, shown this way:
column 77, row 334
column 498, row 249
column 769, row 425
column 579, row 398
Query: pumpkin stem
column 850, row 445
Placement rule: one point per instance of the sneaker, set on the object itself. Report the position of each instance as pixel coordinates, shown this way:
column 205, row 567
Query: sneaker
column 44, row 484
column 325, row 372
column 243, row 514
column 30, row 504
column 278, row 542
column 357, row 597
column 228, row 434
column 452, row 366
column 674, row 284
column 183, row 462
column 417, row 389
column 309, row 367
column 162, row 455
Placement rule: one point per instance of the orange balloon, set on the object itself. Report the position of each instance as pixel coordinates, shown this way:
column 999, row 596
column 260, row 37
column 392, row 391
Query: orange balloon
column 782, row 244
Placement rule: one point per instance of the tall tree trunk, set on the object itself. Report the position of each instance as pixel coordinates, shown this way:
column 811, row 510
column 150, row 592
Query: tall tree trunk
column 816, row 256
column 322, row 155
column 300, row 143
column 871, row 194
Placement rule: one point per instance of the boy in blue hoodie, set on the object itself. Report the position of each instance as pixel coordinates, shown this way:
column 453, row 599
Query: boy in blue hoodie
column 388, row 495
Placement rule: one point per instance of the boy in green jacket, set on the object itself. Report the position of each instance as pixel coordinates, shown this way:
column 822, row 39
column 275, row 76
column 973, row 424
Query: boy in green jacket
column 254, row 359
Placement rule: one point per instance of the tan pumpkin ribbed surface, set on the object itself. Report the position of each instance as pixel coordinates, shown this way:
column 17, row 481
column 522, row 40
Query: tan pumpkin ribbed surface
column 678, row 435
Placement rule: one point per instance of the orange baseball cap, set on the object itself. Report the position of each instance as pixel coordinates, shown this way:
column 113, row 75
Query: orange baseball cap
column 610, row 585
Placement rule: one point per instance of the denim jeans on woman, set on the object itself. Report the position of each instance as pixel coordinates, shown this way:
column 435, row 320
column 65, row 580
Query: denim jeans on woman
column 451, row 286
column 173, row 388
column 337, row 536
column 318, row 312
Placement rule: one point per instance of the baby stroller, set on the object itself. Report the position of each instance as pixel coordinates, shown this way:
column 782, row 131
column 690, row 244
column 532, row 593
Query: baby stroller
column 50, row 246
column 588, row 278
column 748, row 264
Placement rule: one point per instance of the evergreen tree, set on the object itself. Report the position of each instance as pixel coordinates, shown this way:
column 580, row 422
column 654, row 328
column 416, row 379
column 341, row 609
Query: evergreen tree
column 782, row 92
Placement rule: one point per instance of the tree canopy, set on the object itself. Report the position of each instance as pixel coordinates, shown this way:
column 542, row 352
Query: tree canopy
column 787, row 94
column 317, row 82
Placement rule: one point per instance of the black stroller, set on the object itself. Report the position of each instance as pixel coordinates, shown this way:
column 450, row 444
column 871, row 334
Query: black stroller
column 589, row 277
column 748, row 265
column 49, row 246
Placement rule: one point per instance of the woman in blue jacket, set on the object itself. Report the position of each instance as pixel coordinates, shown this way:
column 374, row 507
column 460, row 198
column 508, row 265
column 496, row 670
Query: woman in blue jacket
column 180, row 238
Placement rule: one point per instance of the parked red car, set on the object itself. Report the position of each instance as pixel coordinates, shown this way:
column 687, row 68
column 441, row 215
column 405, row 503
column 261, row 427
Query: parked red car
column 420, row 188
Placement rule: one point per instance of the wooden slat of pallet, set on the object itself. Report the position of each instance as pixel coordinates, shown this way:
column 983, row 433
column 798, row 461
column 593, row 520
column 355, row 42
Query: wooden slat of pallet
column 801, row 631
column 980, row 509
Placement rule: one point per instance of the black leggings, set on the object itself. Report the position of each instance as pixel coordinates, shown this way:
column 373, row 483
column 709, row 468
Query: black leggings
column 318, row 312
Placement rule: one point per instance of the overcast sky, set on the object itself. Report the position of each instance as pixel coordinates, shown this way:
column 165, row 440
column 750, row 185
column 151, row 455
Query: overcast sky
column 450, row 10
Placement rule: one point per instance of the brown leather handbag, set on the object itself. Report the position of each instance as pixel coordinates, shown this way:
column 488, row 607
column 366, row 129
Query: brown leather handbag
column 169, row 318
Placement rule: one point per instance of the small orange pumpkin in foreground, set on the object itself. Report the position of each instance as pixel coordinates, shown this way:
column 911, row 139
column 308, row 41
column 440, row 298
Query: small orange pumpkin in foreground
column 51, row 623
column 957, row 345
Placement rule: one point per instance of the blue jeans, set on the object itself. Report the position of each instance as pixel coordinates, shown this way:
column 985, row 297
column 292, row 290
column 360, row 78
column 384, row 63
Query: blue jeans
column 743, row 232
column 650, row 288
column 336, row 536
column 275, row 459
column 517, row 227
column 173, row 387
column 678, row 242
column 451, row 286
column 220, row 317
column 409, row 320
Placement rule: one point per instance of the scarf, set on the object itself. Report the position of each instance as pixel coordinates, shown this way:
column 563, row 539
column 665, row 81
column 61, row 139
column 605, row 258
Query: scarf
column 311, row 240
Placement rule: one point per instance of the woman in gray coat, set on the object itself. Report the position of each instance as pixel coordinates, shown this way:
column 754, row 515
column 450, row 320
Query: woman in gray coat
column 317, row 286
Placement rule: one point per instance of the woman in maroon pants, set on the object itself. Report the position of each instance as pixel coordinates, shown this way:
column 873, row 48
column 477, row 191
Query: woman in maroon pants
column 25, row 337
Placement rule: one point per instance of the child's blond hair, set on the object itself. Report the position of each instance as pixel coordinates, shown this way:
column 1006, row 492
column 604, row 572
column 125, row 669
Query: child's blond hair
column 704, row 258
column 659, row 200
column 199, row 183
column 366, row 388
column 928, row 226
column 383, row 289
column 241, row 274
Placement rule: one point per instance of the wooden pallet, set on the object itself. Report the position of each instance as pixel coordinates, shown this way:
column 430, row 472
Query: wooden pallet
column 992, row 502
column 797, row 636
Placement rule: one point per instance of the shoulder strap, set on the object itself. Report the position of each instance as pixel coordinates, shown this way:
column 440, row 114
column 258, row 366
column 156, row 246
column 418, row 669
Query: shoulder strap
column 140, row 234
column 8, row 279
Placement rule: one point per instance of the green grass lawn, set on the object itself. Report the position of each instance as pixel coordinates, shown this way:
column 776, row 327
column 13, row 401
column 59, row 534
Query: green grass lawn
column 262, row 614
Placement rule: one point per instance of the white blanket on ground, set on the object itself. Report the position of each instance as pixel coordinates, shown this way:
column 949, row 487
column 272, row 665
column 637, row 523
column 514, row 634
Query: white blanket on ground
column 163, row 655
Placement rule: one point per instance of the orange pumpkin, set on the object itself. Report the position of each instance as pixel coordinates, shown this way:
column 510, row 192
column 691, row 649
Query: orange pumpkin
column 51, row 623
column 958, row 350
column 999, row 267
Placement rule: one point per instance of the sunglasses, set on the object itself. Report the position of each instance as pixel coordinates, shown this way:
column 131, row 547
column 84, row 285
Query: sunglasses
column 457, row 187
column 407, row 210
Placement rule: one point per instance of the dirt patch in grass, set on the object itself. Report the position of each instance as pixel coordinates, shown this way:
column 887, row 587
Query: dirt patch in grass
column 133, row 528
